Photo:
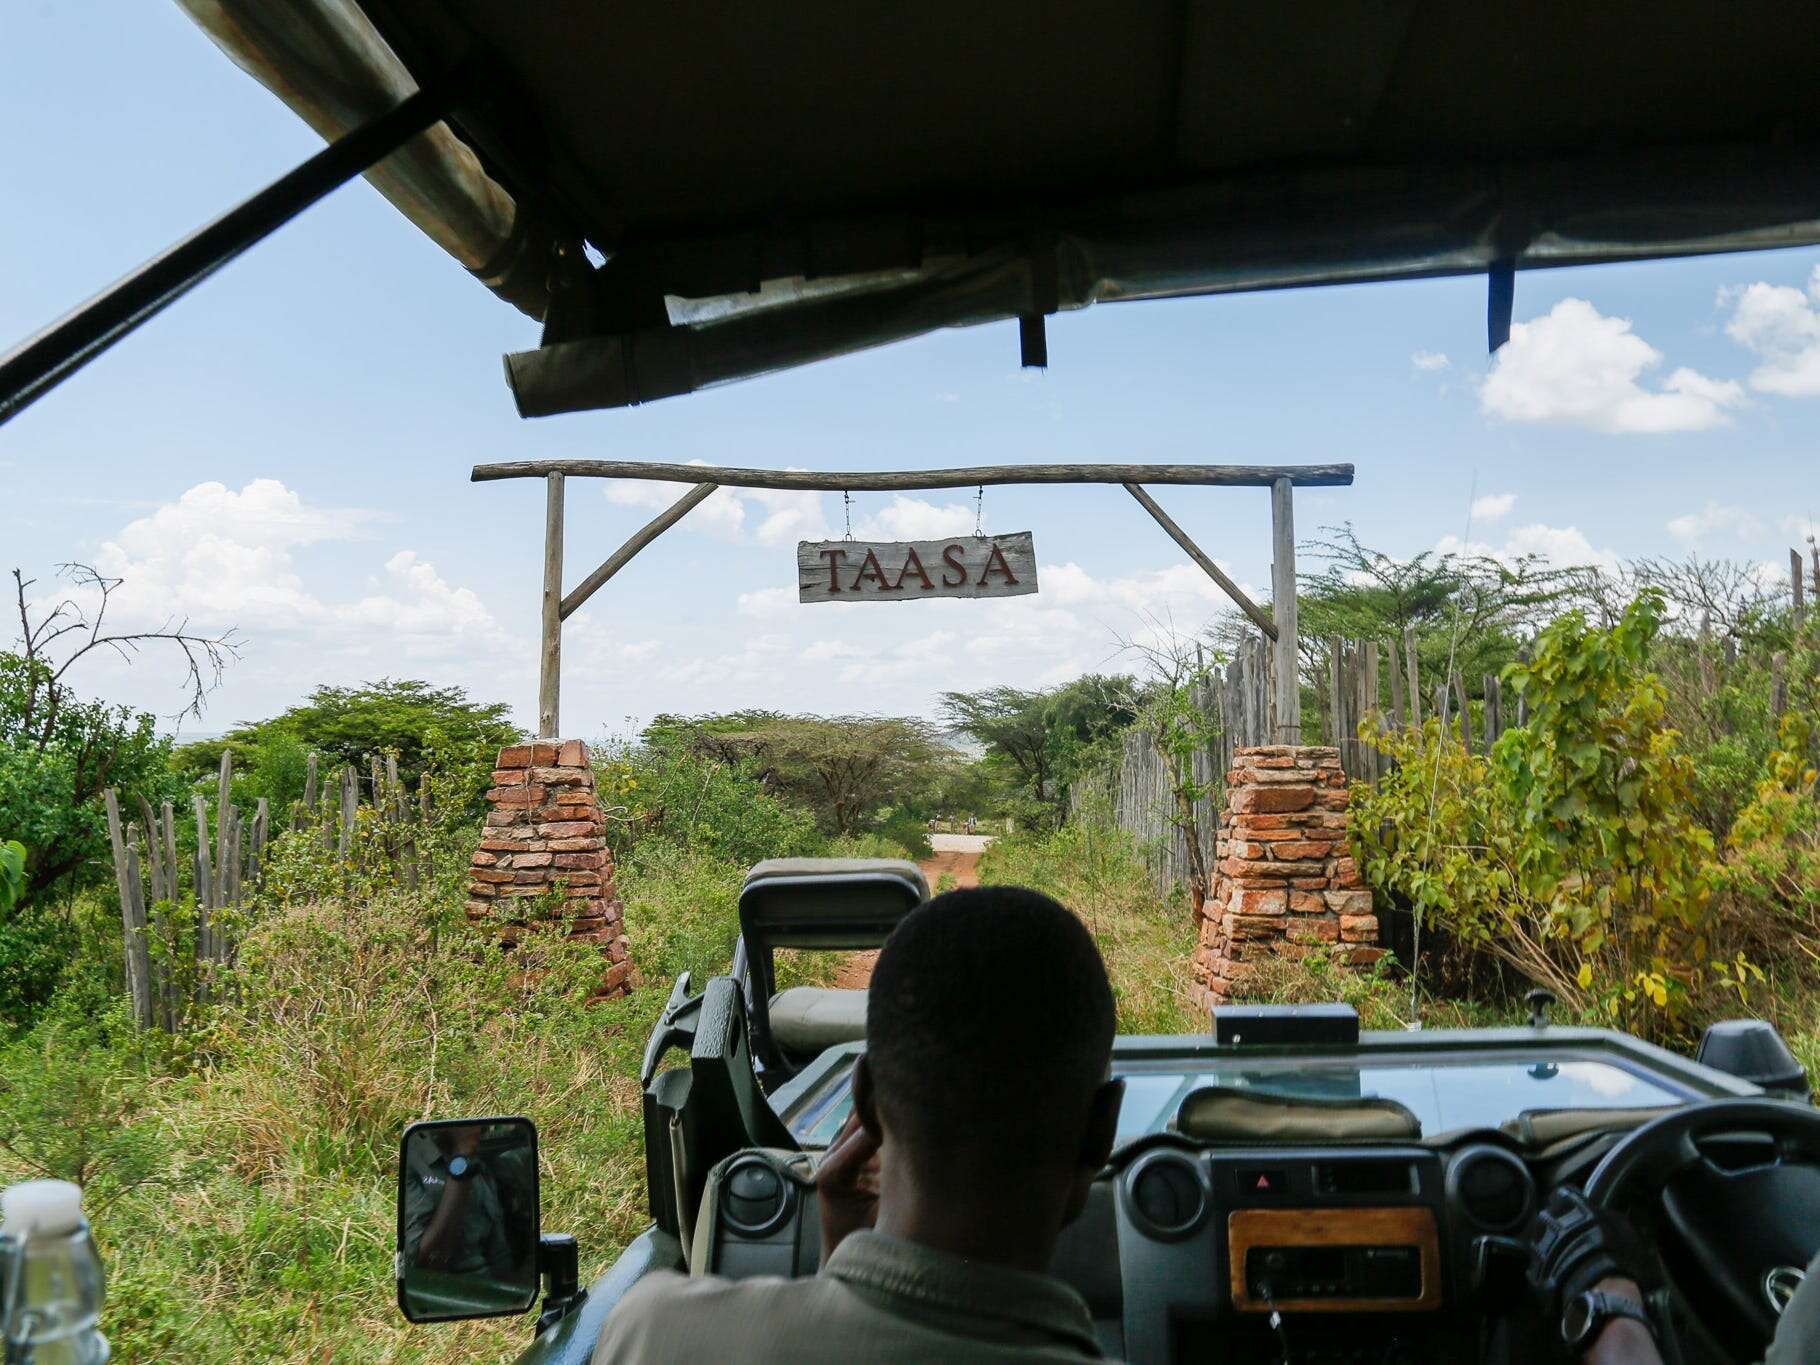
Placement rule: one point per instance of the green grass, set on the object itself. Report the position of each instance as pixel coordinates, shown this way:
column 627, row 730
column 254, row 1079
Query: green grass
column 245, row 1206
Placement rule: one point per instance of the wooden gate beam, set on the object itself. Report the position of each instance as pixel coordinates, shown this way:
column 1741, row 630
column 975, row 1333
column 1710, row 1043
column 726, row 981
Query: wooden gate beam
column 621, row 557
column 1194, row 552
column 863, row 481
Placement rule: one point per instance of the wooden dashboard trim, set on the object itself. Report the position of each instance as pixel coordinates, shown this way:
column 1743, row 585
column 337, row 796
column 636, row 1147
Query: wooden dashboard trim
column 1408, row 1225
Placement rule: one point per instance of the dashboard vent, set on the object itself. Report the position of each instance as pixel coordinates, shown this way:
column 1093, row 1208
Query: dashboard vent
column 1492, row 1187
column 1168, row 1196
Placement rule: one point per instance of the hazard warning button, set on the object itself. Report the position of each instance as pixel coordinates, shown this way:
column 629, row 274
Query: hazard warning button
column 1263, row 1182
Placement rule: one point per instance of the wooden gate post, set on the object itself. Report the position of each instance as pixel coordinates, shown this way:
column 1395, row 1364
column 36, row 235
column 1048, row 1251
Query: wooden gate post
column 549, row 680
column 1282, row 608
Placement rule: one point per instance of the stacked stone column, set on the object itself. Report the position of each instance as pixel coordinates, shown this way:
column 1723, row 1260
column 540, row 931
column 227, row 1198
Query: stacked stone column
column 543, row 861
column 1283, row 870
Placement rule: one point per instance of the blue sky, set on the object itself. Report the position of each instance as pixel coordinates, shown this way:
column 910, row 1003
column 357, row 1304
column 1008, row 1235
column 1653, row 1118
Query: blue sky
column 286, row 450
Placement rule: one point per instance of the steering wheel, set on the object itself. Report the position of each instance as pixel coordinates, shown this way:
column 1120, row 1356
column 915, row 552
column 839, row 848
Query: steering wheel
column 1741, row 1229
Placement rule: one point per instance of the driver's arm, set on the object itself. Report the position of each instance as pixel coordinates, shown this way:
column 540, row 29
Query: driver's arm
column 1622, row 1341
column 1575, row 1248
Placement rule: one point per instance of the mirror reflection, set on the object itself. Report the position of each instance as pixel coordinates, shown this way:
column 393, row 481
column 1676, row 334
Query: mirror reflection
column 467, row 1219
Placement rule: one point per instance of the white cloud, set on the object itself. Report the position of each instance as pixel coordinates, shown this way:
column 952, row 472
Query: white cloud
column 762, row 516
column 1493, row 506
column 1577, row 367
column 914, row 519
column 1781, row 325
column 222, row 559
column 1561, row 546
column 1716, row 521
column 1430, row 360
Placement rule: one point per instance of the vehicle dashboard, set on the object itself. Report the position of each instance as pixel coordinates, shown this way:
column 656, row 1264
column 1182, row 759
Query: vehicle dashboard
column 1374, row 1251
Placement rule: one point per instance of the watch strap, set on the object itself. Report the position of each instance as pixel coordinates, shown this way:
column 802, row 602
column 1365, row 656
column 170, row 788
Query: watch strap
column 1601, row 1308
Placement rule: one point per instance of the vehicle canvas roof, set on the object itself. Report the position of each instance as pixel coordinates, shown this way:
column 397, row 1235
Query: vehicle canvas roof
column 772, row 184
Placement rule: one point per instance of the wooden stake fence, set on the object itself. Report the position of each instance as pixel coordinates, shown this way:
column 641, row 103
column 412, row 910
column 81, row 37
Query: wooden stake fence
column 226, row 870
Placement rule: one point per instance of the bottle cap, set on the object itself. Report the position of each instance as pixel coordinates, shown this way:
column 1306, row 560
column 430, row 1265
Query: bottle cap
column 40, row 1208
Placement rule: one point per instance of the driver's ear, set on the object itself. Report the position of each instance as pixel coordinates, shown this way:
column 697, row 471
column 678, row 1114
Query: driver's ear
column 1102, row 1124
column 865, row 1102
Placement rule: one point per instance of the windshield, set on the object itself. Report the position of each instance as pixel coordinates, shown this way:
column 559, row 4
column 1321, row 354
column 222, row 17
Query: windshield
column 1444, row 1094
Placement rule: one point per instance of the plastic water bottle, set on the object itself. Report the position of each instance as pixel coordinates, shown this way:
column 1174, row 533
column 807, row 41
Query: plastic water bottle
column 50, row 1277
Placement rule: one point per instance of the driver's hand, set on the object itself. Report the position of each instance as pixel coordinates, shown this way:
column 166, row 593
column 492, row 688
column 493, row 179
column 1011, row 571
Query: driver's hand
column 846, row 1185
column 1574, row 1247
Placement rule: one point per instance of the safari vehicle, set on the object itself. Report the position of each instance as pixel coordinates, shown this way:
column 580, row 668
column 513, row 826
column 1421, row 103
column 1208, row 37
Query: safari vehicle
column 1372, row 1187
column 685, row 200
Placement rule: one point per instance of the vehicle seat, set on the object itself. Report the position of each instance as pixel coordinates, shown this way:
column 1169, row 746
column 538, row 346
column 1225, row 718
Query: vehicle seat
column 809, row 1019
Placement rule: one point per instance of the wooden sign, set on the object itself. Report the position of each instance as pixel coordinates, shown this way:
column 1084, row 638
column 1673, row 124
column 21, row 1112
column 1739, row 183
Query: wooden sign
column 909, row 570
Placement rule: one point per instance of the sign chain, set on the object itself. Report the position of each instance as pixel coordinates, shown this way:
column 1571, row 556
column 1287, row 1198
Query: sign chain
column 979, row 510
column 847, row 503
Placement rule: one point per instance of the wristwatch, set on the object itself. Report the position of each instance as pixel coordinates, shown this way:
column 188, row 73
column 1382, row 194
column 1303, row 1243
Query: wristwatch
column 1585, row 1314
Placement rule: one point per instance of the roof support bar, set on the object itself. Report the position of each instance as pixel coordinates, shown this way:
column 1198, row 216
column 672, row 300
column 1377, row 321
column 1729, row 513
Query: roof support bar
column 1221, row 475
column 621, row 557
column 41, row 362
column 1199, row 556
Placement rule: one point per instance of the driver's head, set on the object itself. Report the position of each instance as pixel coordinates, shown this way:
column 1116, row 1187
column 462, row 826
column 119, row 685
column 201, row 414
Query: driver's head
column 989, row 1027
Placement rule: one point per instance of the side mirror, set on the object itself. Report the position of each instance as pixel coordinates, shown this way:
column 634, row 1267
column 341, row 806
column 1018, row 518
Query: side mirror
column 468, row 1219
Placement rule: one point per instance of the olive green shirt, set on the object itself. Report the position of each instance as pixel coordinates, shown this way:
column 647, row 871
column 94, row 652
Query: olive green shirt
column 878, row 1298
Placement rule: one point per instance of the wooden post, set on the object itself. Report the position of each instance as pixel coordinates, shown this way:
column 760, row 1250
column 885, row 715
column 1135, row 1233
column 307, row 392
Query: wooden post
column 350, row 809
column 1336, row 692
column 311, row 794
column 223, row 828
column 1778, row 684
column 549, row 678
column 1459, row 692
column 262, row 824
column 144, row 996
column 1283, row 611
column 1494, row 709
column 153, row 863
column 1397, row 716
column 205, row 887
column 1415, row 681
column 1369, row 756
column 126, row 871
column 1795, row 576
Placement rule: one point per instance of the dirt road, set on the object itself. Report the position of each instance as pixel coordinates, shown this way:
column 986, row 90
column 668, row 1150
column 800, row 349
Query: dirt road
column 956, row 856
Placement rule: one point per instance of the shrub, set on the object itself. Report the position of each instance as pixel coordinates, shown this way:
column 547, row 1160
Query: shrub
column 1774, row 856
column 1572, row 853
column 690, row 799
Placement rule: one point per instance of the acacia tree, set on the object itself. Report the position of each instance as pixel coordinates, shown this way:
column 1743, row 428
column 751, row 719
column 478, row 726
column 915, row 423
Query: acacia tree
column 1045, row 736
column 1471, row 611
column 1011, row 723
column 58, row 753
column 843, row 767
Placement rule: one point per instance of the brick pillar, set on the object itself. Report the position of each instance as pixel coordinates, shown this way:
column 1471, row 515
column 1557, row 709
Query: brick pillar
column 1283, row 869
column 545, row 833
